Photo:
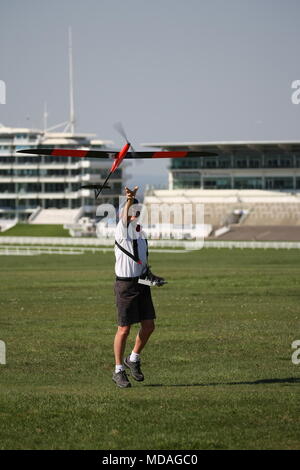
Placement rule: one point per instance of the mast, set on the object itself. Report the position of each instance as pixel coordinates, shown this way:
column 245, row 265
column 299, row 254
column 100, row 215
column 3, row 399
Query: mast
column 70, row 124
column 45, row 116
column 72, row 112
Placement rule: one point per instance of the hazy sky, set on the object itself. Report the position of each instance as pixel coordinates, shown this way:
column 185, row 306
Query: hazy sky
column 170, row 70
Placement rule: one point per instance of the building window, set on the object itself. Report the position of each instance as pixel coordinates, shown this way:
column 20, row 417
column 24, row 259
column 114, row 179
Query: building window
column 240, row 161
column 193, row 162
column 54, row 187
column 188, row 180
column 7, row 159
column 28, row 187
column 278, row 161
column 29, row 172
column 224, row 162
column 56, row 159
column 255, row 163
column 7, row 172
column 7, row 188
column 56, row 203
column 247, row 183
column 7, row 203
column 217, row 183
column 298, row 161
column 28, row 159
column 210, row 162
column 21, row 136
column 279, row 183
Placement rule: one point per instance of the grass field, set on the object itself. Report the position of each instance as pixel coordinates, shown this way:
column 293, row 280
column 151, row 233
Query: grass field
column 218, row 368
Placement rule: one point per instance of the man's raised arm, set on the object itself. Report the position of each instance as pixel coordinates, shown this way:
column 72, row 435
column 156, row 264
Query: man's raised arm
column 130, row 195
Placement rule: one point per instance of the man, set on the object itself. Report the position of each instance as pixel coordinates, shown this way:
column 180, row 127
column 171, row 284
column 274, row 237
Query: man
column 134, row 302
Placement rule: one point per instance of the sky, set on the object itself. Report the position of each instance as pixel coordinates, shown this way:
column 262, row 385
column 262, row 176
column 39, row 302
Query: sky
column 169, row 70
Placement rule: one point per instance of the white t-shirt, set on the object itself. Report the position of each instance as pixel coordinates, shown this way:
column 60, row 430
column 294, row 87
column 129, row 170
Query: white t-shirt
column 125, row 266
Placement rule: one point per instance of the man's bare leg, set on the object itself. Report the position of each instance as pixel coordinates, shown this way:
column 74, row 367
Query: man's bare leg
column 120, row 343
column 147, row 328
column 133, row 361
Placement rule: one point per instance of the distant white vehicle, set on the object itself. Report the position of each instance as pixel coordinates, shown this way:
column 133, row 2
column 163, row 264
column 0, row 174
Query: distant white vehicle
column 106, row 228
column 85, row 227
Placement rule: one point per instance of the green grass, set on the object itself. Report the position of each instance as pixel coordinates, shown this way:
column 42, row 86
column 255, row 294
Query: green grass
column 218, row 367
column 38, row 230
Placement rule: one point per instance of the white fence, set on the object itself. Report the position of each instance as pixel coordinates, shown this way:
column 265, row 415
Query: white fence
column 30, row 251
column 18, row 250
column 50, row 244
column 251, row 244
column 63, row 241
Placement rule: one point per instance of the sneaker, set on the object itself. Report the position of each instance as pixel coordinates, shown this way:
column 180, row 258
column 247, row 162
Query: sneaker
column 135, row 369
column 121, row 379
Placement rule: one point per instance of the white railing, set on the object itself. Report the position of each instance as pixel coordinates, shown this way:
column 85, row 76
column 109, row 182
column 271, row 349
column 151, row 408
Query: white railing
column 63, row 250
column 186, row 245
column 251, row 244
column 30, row 251
column 63, row 241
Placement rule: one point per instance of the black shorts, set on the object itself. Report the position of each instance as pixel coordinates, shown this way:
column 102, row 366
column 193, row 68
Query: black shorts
column 134, row 302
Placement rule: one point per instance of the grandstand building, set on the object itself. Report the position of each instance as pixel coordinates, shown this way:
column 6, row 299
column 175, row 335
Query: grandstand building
column 30, row 183
column 239, row 165
column 247, row 183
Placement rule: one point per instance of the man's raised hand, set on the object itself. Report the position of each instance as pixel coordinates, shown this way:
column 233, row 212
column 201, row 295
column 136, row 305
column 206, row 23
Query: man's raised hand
column 130, row 194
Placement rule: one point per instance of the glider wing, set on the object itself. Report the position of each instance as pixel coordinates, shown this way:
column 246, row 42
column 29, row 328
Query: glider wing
column 57, row 152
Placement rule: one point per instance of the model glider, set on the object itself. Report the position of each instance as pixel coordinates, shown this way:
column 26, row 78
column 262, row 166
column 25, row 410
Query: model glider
column 117, row 156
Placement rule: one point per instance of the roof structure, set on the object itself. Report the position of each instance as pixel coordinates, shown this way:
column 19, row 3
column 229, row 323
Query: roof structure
column 225, row 145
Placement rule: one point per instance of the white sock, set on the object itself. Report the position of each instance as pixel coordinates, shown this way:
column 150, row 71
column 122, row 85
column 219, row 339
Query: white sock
column 134, row 357
column 119, row 368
